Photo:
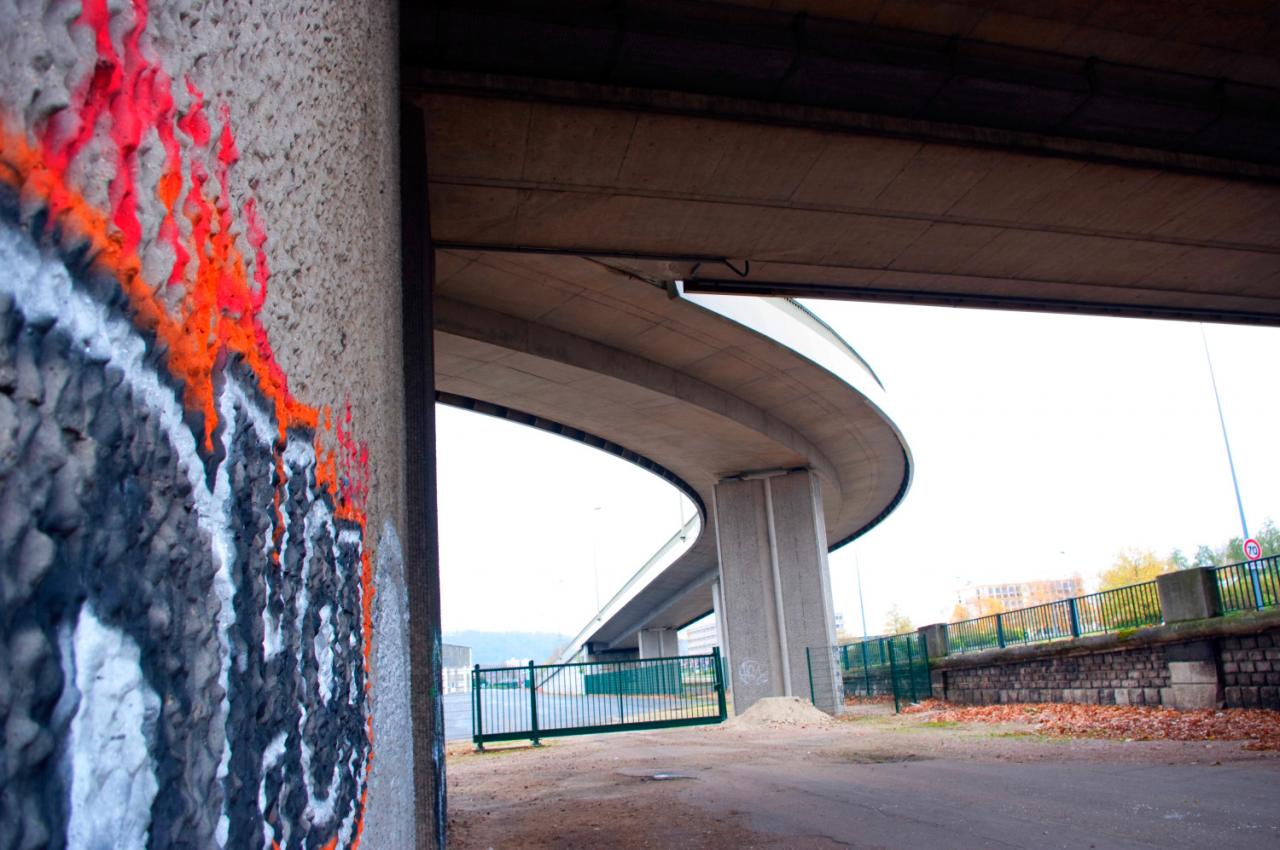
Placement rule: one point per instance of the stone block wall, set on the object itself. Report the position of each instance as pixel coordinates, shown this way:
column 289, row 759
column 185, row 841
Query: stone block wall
column 1128, row 677
column 1251, row 670
column 1204, row 670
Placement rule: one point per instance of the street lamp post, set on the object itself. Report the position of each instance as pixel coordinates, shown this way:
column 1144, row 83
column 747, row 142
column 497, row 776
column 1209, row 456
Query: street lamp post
column 1235, row 483
column 862, row 609
column 1244, row 526
column 595, row 553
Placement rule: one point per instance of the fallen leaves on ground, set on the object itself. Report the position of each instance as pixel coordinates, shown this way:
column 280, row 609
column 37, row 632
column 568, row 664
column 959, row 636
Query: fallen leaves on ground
column 1259, row 726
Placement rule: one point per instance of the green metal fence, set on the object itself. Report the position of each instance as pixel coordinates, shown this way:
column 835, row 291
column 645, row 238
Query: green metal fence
column 896, row 665
column 1110, row 610
column 1249, row 586
column 539, row 701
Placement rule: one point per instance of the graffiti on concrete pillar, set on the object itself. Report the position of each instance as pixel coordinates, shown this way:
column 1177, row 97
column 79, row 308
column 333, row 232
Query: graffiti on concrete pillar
column 752, row 673
column 187, row 592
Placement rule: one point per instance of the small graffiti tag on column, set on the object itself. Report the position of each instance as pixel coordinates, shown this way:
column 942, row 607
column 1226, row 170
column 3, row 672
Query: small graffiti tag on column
column 752, row 673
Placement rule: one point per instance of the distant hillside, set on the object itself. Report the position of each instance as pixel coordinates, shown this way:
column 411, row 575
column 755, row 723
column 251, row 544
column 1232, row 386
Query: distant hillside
column 498, row 647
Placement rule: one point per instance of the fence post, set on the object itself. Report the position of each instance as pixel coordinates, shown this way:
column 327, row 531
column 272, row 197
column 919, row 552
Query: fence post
column 617, row 684
column 724, row 709
column 1258, row 601
column 533, row 704
column 1075, row 617
column 999, row 631
column 927, row 680
column 477, row 714
column 808, row 660
column 911, row 671
column 866, row 668
column 893, row 680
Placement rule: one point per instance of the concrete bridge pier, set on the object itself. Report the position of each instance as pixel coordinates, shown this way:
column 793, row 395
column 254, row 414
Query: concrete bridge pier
column 776, row 587
column 659, row 643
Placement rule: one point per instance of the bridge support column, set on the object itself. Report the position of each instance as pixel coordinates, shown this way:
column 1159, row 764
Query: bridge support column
column 717, row 607
column 776, row 589
column 658, row 643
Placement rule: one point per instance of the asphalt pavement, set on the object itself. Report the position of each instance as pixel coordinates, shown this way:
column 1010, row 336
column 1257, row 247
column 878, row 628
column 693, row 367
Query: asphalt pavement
column 875, row 782
column 978, row 804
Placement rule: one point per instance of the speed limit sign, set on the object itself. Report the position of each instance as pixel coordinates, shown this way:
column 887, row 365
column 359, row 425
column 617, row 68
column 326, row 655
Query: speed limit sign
column 1252, row 551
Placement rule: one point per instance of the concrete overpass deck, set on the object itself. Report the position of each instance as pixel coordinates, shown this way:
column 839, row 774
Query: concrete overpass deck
column 1074, row 157
column 695, row 388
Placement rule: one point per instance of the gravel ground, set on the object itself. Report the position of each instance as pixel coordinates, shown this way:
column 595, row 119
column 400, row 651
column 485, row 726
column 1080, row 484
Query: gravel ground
column 872, row 780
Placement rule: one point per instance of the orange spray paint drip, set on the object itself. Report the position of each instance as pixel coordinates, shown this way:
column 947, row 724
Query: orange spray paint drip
column 133, row 96
column 22, row 168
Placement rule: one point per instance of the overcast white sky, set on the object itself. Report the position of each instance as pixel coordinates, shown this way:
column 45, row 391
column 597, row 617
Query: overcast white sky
column 1042, row 444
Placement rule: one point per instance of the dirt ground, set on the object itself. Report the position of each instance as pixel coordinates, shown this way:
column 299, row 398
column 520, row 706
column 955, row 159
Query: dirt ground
column 872, row 779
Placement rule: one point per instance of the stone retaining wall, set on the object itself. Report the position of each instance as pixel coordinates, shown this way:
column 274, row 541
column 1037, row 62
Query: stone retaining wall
column 1130, row 677
column 1251, row 670
column 1201, row 656
column 1152, row 667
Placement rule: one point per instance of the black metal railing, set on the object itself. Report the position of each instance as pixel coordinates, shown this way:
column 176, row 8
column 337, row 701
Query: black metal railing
column 1249, row 586
column 1095, row 613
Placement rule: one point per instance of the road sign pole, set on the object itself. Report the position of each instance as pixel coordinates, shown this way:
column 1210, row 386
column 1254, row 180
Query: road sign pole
column 1252, row 552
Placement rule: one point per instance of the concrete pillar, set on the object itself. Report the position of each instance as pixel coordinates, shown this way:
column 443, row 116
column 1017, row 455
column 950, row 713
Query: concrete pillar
column 935, row 639
column 935, row 644
column 776, row 589
column 658, row 643
column 1188, row 595
column 1195, row 681
column 717, row 606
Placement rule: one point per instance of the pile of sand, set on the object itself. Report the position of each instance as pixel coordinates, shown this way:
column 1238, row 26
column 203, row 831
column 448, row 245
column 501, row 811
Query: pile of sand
column 780, row 711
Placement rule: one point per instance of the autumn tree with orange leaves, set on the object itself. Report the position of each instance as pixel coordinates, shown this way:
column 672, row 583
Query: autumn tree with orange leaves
column 1134, row 566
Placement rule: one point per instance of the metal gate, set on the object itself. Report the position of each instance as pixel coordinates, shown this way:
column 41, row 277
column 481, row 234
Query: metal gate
column 896, row 666
column 545, row 700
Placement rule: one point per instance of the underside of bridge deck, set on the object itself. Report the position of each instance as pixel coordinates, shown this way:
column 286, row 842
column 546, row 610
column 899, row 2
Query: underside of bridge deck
column 1079, row 159
column 585, row 158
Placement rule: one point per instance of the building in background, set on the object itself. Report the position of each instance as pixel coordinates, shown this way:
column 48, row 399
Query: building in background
column 996, row 598
column 701, row 637
column 455, row 662
column 704, row 635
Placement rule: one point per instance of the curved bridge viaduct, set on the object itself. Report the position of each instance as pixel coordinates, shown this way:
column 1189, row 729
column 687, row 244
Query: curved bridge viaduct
column 579, row 163
column 219, row 360
column 569, row 163
column 785, row 458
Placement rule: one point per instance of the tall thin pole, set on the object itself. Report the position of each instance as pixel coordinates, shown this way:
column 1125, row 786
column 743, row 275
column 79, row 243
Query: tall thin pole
column 595, row 553
column 1244, row 526
column 862, row 609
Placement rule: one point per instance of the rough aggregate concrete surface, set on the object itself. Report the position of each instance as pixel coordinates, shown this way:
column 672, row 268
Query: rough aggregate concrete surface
column 182, row 610
column 93, row 504
column 98, row 520
column 310, row 88
column 875, row 780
